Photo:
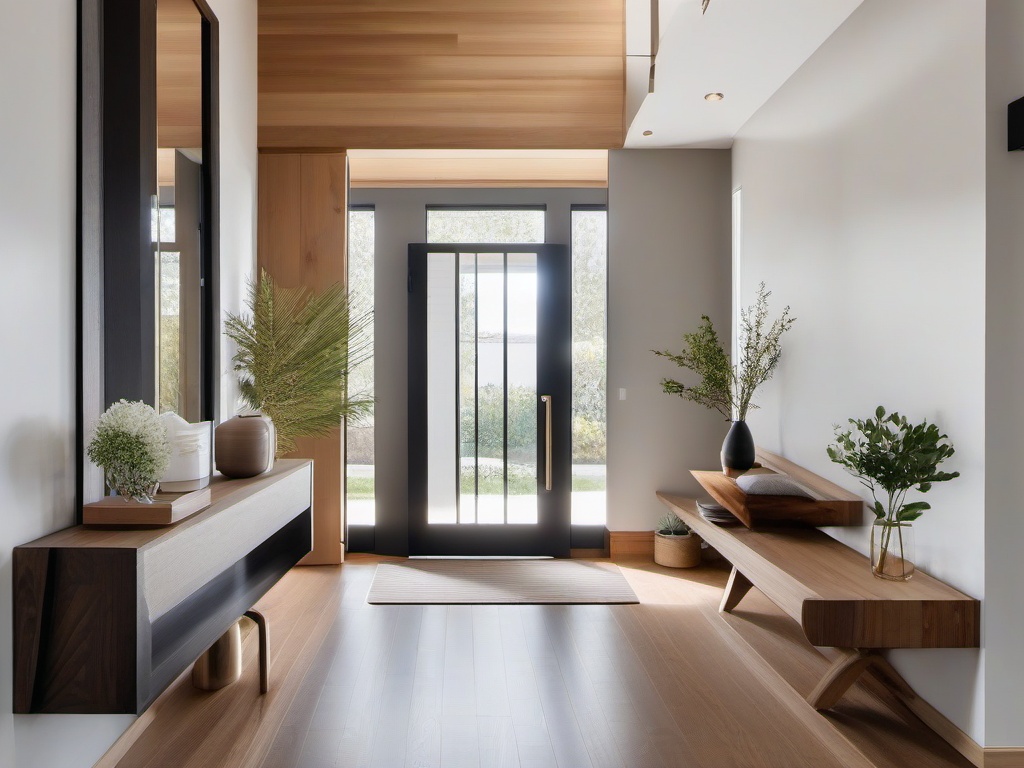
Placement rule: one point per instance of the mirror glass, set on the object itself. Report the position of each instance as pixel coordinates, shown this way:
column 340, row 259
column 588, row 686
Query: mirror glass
column 177, row 208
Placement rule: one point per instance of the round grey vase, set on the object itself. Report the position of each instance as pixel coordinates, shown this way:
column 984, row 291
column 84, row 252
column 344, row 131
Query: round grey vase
column 738, row 449
column 244, row 446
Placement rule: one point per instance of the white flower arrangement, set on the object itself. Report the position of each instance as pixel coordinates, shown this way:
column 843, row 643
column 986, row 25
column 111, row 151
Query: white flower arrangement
column 131, row 446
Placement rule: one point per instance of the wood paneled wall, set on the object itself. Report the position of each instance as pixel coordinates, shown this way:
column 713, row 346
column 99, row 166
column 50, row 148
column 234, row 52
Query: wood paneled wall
column 302, row 224
column 441, row 74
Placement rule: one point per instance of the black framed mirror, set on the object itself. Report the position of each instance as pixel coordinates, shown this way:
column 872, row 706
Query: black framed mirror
column 148, row 312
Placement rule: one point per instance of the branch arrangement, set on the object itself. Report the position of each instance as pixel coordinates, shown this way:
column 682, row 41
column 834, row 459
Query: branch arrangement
column 724, row 387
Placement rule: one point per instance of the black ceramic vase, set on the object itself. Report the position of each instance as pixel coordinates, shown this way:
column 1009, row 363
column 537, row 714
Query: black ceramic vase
column 738, row 449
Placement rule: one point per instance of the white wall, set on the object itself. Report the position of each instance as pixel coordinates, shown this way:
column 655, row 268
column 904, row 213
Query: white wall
column 37, row 297
column 37, row 293
column 863, row 185
column 669, row 263
column 238, row 162
column 1004, row 370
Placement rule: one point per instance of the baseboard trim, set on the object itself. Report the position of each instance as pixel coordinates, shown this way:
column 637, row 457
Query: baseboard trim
column 938, row 722
column 587, row 554
column 1004, row 757
column 631, row 544
column 982, row 757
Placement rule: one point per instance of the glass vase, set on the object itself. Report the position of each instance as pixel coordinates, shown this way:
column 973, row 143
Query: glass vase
column 131, row 485
column 892, row 550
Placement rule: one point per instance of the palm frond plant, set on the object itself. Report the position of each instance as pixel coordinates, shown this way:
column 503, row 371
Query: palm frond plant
column 295, row 350
column 890, row 456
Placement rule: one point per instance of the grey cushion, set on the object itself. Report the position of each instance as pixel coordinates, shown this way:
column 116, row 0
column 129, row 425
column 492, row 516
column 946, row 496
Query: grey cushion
column 771, row 485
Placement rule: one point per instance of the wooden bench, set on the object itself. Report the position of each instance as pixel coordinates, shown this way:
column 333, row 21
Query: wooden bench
column 829, row 590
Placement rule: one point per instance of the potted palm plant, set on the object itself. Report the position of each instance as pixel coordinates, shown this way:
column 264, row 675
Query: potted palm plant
column 890, row 456
column 294, row 353
column 726, row 387
column 675, row 544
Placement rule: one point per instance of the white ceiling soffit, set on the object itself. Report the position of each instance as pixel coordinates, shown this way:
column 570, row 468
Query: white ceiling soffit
column 745, row 49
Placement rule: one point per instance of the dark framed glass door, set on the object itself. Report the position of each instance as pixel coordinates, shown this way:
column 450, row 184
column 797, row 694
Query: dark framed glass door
column 490, row 355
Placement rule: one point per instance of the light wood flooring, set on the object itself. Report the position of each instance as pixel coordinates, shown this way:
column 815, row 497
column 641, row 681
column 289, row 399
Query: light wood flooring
column 666, row 683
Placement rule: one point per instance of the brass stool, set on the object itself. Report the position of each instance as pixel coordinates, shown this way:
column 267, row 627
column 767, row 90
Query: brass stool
column 221, row 664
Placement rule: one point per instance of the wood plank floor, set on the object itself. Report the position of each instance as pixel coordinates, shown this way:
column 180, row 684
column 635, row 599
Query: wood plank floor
column 668, row 683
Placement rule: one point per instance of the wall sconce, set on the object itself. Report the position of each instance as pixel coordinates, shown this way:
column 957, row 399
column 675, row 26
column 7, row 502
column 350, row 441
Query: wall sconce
column 1015, row 125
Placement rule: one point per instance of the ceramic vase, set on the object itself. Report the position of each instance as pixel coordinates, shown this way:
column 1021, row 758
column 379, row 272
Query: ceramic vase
column 244, row 446
column 738, row 449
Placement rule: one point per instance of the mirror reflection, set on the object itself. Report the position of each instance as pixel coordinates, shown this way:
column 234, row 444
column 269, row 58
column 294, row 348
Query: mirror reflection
column 177, row 208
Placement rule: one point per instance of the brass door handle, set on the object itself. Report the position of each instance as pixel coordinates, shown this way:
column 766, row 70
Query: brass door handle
column 546, row 399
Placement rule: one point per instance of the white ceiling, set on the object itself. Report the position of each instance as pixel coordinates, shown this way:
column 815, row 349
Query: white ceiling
column 745, row 49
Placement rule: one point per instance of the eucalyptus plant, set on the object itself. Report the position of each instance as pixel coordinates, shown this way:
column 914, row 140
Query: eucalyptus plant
column 295, row 349
column 725, row 387
column 890, row 456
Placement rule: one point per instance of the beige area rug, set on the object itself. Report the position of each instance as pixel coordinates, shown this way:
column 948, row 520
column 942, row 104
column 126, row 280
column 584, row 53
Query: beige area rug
column 489, row 582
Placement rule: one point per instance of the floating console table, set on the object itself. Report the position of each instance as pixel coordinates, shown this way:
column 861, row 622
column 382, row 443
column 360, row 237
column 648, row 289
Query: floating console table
column 829, row 590
column 105, row 620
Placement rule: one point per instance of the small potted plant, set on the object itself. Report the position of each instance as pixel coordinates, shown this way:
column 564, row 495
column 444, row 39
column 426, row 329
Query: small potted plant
column 131, row 447
column 890, row 456
column 726, row 387
column 675, row 545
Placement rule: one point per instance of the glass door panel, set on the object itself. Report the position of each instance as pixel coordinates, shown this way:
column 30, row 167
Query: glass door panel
column 442, row 303
column 469, row 430
column 491, row 391
column 523, row 398
column 489, row 332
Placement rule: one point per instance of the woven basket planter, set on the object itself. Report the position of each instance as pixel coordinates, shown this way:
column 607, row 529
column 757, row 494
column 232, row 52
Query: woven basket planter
column 677, row 551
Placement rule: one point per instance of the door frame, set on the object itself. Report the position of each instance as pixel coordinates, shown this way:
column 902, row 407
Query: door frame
column 551, row 535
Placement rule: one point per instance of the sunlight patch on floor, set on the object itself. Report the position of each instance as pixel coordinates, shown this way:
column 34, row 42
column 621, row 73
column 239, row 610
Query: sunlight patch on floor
column 655, row 585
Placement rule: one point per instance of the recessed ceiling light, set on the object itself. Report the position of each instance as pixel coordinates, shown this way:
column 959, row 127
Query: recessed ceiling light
column 714, row 96
column 648, row 133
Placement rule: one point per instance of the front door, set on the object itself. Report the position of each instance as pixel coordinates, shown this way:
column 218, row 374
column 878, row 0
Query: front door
column 490, row 356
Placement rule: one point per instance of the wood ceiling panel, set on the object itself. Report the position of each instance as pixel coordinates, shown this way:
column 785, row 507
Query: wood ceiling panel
column 341, row 64
column 424, row 137
column 568, row 168
column 179, row 67
column 441, row 73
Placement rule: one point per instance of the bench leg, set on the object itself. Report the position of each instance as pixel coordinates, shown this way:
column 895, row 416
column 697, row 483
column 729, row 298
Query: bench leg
column 850, row 665
column 737, row 587
column 889, row 675
column 264, row 635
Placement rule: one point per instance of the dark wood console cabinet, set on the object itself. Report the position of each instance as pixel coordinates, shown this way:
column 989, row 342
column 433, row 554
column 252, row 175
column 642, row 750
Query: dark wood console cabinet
column 105, row 619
